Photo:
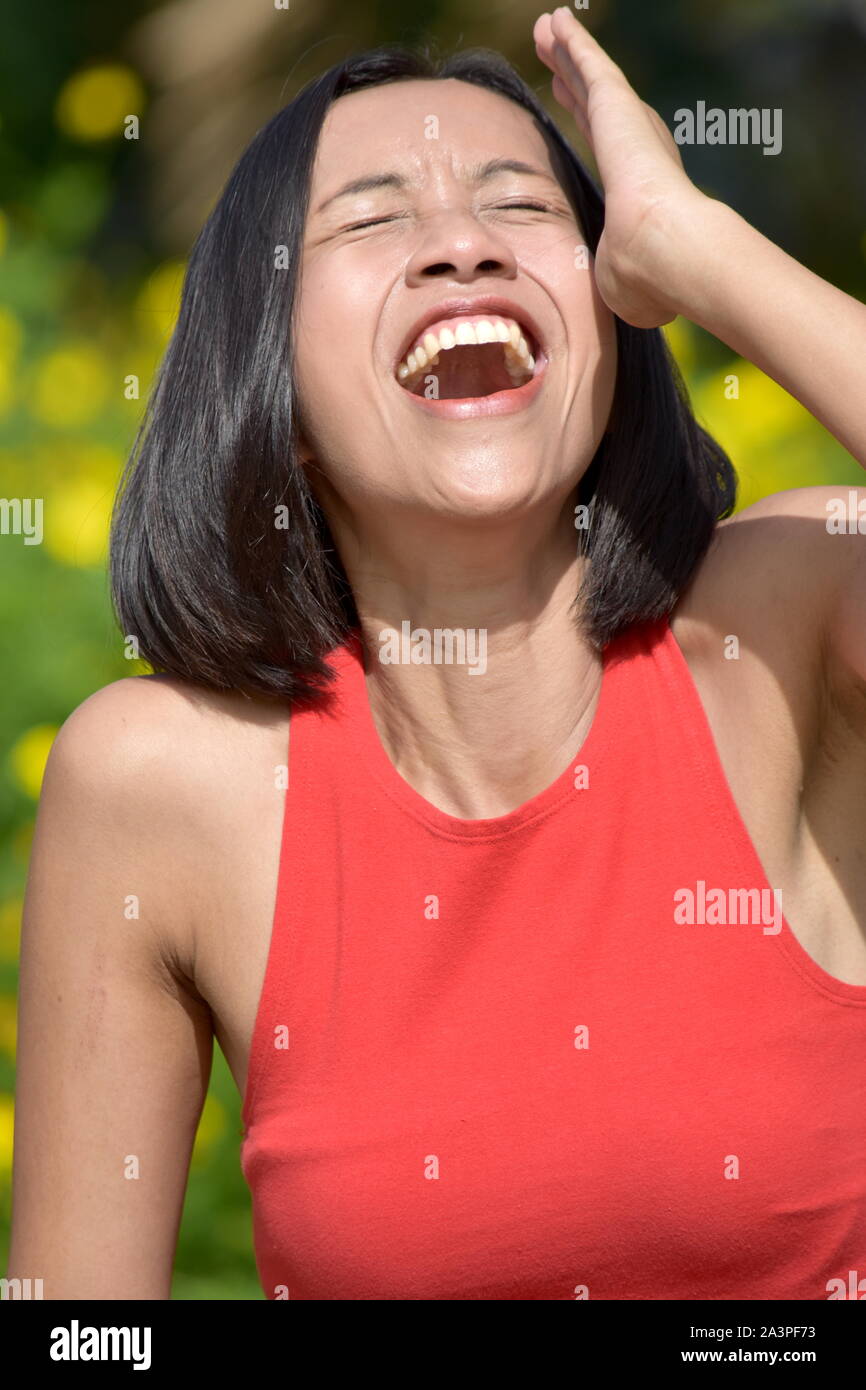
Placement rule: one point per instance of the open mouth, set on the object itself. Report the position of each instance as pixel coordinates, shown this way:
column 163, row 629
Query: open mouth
column 470, row 357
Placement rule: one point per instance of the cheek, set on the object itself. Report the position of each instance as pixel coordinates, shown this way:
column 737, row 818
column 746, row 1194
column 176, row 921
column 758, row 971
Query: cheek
column 569, row 278
column 315, row 327
column 327, row 365
column 598, row 328
column 589, row 339
column 335, row 325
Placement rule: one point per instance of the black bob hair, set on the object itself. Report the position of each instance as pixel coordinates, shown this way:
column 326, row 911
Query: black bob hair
column 216, row 591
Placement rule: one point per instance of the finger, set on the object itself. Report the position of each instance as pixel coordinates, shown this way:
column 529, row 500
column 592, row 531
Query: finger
column 567, row 69
column 578, row 115
column 541, row 29
column 568, row 87
column 628, row 122
column 556, row 57
column 664, row 133
column 586, row 52
column 545, row 40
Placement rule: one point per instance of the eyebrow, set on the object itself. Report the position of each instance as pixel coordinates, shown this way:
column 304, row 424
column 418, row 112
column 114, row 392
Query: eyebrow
column 479, row 174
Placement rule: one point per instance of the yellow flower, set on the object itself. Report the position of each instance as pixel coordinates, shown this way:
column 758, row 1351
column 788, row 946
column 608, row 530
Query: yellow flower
column 18, row 470
column 158, row 301
column 29, row 756
column 7, row 391
column 759, row 425
column 10, row 342
column 11, row 331
column 681, row 341
column 87, row 458
column 76, row 520
column 143, row 364
column 211, row 1127
column 8, row 1025
column 76, row 478
column 10, row 929
column 69, row 385
column 94, row 102
column 7, row 1111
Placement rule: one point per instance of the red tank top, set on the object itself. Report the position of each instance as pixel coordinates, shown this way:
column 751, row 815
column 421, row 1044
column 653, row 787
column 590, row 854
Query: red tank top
column 494, row 1059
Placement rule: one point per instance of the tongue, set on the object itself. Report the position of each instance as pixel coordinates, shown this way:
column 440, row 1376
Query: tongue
column 470, row 370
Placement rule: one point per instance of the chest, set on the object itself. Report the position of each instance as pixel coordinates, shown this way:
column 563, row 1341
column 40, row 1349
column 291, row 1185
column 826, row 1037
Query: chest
column 563, row 1095
column 796, row 774
column 646, row 1164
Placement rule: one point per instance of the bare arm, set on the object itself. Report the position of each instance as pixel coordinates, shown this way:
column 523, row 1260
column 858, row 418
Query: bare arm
column 668, row 249
column 114, row 1053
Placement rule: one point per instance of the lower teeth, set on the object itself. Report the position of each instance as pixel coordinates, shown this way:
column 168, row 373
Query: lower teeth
column 520, row 371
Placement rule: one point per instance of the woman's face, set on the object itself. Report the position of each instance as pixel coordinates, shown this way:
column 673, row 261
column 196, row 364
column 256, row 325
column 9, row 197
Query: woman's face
column 432, row 237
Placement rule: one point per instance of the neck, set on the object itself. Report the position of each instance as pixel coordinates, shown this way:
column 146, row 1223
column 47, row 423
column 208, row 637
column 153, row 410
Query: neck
column 480, row 682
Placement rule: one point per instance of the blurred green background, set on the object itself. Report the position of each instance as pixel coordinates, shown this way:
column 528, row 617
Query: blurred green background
column 97, row 213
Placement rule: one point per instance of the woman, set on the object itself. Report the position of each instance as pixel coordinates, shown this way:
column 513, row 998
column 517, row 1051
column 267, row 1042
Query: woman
column 539, row 958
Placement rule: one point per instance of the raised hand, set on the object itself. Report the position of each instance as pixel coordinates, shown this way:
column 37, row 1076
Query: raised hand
column 651, row 205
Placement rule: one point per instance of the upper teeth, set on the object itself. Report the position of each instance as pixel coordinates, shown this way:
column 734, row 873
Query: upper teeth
column 518, row 358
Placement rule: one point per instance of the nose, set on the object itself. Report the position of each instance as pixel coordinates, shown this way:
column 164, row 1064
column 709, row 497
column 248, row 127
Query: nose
column 456, row 246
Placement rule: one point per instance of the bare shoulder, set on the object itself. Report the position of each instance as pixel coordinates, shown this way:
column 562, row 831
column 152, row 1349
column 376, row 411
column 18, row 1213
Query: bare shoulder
column 773, row 625
column 777, row 571
column 170, row 737
column 160, row 773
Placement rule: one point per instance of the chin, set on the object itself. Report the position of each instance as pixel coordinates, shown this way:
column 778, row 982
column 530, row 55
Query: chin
column 491, row 489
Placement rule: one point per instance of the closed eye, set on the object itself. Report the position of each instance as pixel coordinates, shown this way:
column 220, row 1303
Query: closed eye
column 527, row 204
column 371, row 222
